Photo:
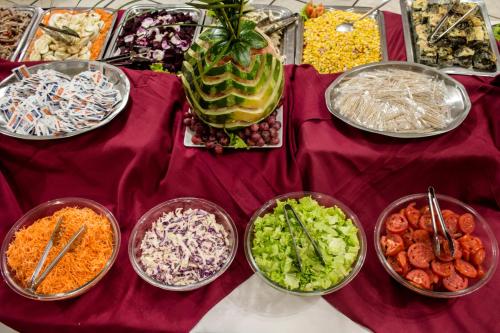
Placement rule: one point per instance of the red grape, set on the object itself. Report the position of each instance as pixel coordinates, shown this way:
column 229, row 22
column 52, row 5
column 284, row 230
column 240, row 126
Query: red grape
column 274, row 132
column 254, row 127
column 261, row 142
column 277, row 125
column 275, row 141
column 264, row 126
column 271, row 120
column 196, row 140
column 218, row 149
column 255, row 137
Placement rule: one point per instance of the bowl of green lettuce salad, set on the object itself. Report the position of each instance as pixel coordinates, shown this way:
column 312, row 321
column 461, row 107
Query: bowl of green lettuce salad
column 333, row 226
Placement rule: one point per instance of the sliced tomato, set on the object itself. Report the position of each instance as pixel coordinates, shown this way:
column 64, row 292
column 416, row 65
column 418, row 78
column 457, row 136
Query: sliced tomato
column 455, row 282
column 480, row 271
column 399, row 263
column 433, row 277
column 478, row 257
column 465, row 268
column 419, row 278
column 466, row 223
column 442, row 269
column 451, row 222
column 396, row 224
column 420, row 255
column 447, row 212
column 402, row 258
column 470, row 243
column 412, row 215
column 466, row 255
column 425, row 222
column 445, row 254
column 407, row 238
column 421, row 236
column 425, row 210
column 392, row 244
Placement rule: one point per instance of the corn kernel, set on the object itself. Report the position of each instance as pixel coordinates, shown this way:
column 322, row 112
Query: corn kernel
column 330, row 51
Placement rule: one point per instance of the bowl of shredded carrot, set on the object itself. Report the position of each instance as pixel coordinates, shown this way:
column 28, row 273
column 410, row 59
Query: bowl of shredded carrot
column 82, row 267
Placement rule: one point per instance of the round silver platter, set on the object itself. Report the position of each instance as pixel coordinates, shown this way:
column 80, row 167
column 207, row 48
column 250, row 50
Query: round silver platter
column 456, row 98
column 72, row 68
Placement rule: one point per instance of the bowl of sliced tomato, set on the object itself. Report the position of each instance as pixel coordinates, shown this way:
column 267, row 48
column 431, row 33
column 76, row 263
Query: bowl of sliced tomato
column 403, row 241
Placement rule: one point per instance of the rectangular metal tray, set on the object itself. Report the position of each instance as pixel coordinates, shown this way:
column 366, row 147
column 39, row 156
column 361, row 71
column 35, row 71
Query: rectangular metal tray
column 188, row 134
column 35, row 16
column 137, row 9
column 377, row 16
column 31, row 36
column 411, row 54
column 287, row 44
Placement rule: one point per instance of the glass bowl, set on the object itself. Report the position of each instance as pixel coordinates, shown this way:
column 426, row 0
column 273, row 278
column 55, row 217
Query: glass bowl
column 47, row 209
column 482, row 230
column 146, row 221
column 326, row 201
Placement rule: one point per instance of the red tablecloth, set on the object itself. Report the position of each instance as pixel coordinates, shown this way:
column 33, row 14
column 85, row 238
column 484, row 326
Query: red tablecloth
column 138, row 161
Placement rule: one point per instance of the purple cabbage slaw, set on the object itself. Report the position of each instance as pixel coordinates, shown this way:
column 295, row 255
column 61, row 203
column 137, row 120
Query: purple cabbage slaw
column 184, row 247
column 165, row 45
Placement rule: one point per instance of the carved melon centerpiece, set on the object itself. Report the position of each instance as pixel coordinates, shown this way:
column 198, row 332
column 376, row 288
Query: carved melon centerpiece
column 232, row 75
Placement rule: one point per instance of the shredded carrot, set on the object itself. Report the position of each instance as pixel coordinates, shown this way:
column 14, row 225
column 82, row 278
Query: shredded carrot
column 97, row 44
column 78, row 266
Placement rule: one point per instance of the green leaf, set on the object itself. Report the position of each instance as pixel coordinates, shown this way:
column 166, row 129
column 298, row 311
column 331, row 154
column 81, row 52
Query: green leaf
column 214, row 35
column 218, row 50
column 235, row 141
column 158, row 67
column 254, row 39
column 247, row 25
column 241, row 53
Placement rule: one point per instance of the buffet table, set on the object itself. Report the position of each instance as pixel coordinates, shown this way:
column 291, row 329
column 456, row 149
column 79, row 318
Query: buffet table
column 139, row 160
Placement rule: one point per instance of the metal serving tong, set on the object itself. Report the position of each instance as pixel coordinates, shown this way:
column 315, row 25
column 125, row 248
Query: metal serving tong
column 130, row 58
column 36, row 277
column 286, row 209
column 59, row 34
column 270, row 27
column 432, row 37
column 436, row 211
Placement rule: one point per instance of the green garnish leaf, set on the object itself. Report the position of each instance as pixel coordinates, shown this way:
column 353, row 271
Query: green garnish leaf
column 218, row 50
column 254, row 39
column 158, row 67
column 241, row 53
column 235, row 141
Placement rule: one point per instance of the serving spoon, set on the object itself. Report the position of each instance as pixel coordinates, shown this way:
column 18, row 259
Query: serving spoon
column 349, row 26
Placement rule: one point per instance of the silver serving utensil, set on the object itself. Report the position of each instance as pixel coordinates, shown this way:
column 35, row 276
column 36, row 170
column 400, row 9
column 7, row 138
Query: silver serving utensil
column 64, row 31
column 294, row 242
column 432, row 37
column 43, row 258
column 436, row 210
column 287, row 208
column 349, row 26
column 69, row 246
column 280, row 24
column 127, row 59
column 354, row 4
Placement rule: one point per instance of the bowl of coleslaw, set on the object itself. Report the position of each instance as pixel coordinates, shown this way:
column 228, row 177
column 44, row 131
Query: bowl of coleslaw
column 183, row 244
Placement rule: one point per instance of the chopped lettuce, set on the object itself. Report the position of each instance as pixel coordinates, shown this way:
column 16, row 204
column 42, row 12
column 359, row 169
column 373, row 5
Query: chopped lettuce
column 496, row 31
column 335, row 234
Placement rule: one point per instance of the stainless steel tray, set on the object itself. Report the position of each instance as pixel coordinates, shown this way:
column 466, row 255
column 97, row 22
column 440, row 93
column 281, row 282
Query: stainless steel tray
column 35, row 16
column 72, row 68
column 411, row 54
column 188, row 135
column 457, row 96
column 138, row 9
column 287, row 44
column 30, row 38
column 377, row 16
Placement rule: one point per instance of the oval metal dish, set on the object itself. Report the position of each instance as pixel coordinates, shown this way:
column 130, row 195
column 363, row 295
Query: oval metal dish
column 457, row 97
column 72, row 68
